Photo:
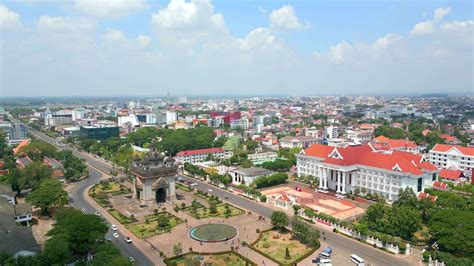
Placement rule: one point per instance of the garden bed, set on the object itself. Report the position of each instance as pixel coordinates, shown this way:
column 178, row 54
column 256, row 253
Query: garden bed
column 122, row 218
column 151, row 227
column 228, row 258
column 204, row 212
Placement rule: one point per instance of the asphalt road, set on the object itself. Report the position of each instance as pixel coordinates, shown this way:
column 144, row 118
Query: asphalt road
column 371, row 255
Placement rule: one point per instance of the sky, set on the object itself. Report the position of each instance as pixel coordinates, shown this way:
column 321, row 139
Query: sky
column 204, row 47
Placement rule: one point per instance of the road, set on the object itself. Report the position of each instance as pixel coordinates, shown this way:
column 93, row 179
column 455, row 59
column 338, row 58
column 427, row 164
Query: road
column 77, row 193
column 371, row 255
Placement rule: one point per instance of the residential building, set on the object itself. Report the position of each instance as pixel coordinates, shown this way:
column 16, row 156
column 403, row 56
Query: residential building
column 248, row 175
column 259, row 158
column 194, row 156
column 171, row 117
column 242, row 123
column 453, row 157
column 349, row 168
column 17, row 133
column 331, row 132
column 298, row 141
column 453, row 176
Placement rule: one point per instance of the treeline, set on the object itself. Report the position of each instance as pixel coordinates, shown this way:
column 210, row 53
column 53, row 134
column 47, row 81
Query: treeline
column 271, row 180
column 279, row 165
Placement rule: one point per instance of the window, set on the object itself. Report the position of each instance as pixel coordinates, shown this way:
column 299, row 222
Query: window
column 420, row 184
column 434, row 177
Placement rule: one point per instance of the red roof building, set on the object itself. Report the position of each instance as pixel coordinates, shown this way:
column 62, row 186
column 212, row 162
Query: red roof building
column 383, row 143
column 194, row 156
column 453, row 157
column 383, row 172
column 451, row 175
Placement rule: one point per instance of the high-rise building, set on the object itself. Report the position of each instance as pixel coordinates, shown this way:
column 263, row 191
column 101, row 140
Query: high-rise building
column 171, row 117
column 17, row 133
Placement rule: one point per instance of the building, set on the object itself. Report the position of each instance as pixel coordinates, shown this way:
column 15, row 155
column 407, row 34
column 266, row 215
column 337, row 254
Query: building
column 259, row 158
column 17, row 132
column 298, row 141
column 171, row 117
column 61, row 118
column 382, row 143
column 154, row 177
column 346, row 169
column 248, row 175
column 127, row 119
column 94, row 132
column 78, row 114
column 331, row 132
column 71, row 131
column 454, row 158
column 242, row 123
column 194, row 156
column 453, row 176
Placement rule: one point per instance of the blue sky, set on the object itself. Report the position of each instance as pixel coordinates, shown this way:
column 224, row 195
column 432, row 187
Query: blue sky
column 332, row 37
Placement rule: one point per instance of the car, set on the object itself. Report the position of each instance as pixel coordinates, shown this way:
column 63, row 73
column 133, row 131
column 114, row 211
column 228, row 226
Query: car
column 131, row 259
column 194, row 184
column 128, row 240
column 71, row 199
column 316, row 260
column 83, row 210
column 226, row 197
column 116, row 235
column 209, row 190
column 113, row 227
column 97, row 213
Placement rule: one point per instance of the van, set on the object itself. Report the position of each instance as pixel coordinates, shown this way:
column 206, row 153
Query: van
column 357, row 260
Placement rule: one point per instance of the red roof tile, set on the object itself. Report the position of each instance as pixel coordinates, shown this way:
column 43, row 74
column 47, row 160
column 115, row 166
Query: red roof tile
column 201, row 151
column 450, row 174
column 469, row 151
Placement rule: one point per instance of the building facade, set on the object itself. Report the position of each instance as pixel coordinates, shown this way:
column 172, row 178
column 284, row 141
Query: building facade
column 247, row 175
column 361, row 167
column 94, row 132
column 298, row 141
column 195, row 156
column 154, row 177
column 454, row 158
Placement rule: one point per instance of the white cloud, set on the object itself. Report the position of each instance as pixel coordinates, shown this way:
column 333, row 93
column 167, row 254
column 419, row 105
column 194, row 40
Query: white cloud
column 9, row 20
column 110, row 8
column 113, row 35
column 143, row 40
column 440, row 13
column 66, row 24
column 337, row 53
column 423, row 27
column 285, row 18
column 257, row 38
column 386, row 41
column 458, row 26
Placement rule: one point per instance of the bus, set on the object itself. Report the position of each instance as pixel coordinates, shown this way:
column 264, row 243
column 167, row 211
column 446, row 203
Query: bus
column 357, row 260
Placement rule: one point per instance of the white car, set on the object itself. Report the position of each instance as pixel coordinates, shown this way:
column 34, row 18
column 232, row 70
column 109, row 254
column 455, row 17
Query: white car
column 131, row 259
column 113, row 227
column 209, row 190
column 97, row 213
column 128, row 240
column 83, row 210
column 116, row 235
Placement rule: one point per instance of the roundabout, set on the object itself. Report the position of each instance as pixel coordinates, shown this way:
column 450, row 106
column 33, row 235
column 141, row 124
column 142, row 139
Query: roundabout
column 211, row 233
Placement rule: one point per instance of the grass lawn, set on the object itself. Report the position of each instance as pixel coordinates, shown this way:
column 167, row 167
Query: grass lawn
column 204, row 212
column 228, row 259
column 112, row 187
column 274, row 244
column 184, row 187
column 145, row 230
column 206, row 197
column 122, row 218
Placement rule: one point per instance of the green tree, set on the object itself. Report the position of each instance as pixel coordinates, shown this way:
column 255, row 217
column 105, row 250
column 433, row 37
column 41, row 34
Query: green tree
column 178, row 249
column 57, row 249
column 404, row 221
column 406, row 197
column 72, row 223
column 108, row 254
column 279, row 220
column 50, row 193
column 33, row 174
column 389, row 132
column 162, row 221
column 287, row 254
column 213, row 207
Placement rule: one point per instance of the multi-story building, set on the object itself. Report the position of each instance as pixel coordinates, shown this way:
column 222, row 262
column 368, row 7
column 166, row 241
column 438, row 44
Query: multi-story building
column 61, row 118
column 194, row 156
column 171, row 117
column 331, row 132
column 382, row 143
column 454, row 158
column 385, row 173
column 242, row 123
column 259, row 158
column 94, row 132
column 298, row 141
column 17, row 133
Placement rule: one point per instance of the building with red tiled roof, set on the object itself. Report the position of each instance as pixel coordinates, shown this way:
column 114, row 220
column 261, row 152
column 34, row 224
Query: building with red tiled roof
column 194, row 156
column 22, row 144
column 382, row 172
column 455, row 176
column 384, row 143
column 23, row 162
column 453, row 157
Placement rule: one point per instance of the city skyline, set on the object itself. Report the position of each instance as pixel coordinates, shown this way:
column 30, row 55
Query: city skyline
column 85, row 48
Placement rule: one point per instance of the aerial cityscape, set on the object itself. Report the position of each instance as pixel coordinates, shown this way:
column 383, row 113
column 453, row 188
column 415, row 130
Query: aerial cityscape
column 149, row 132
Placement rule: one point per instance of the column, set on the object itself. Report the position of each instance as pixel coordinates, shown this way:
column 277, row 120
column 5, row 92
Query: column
column 326, row 178
column 338, row 181
column 321, row 178
column 344, row 183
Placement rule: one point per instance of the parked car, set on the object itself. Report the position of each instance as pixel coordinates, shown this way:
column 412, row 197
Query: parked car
column 113, row 227
column 326, row 253
column 116, row 235
column 97, row 213
column 131, row 259
column 209, row 190
column 128, row 240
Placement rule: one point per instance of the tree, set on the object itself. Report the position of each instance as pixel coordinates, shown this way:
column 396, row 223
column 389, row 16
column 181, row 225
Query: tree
column 287, row 254
column 162, row 221
column 178, row 249
column 33, row 174
column 406, row 197
column 404, row 221
column 72, row 223
column 453, row 230
column 296, row 209
column 57, row 249
column 389, row 132
column 279, row 220
column 50, row 193
column 14, row 178
column 213, row 207
column 108, row 254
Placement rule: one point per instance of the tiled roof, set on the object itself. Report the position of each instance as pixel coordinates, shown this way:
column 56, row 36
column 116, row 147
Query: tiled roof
column 450, row 174
column 469, row 151
column 364, row 155
column 393, row 143
column 23, row 143
column 201, row 151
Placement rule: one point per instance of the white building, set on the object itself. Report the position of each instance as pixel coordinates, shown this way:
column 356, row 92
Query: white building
column 331, row 132
column 194, row 156
column 171, row 117
column 259, row 158
column 298, row 141
column 124, row 119
column 454, row 158
column 247, row 175
column 385, row 173
column 78, row 114
column 240, row 123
